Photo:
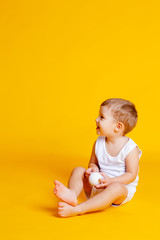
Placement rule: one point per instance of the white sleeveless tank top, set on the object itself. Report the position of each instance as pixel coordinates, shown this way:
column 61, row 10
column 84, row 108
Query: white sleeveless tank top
column 114, row 166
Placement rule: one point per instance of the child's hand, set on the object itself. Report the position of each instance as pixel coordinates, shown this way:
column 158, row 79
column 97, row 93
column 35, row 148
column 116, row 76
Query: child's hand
column 103, row 183
column 90, row 170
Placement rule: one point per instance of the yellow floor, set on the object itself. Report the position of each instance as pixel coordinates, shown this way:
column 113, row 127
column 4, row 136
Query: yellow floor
column 28, row 206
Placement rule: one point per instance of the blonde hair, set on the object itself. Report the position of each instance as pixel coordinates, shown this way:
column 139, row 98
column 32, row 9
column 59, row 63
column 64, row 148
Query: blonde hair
column 123, row 111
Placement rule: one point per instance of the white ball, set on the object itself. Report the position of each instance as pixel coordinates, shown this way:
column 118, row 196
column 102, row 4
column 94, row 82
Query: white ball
column 94, row 178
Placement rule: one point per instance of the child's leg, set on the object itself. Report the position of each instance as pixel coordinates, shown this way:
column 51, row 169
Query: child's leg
column 75, row 182
column 75, row 186
column 78, row 181
column 114, row 193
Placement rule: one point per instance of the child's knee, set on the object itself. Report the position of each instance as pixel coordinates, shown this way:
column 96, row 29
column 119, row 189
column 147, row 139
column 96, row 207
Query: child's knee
column 117, row 187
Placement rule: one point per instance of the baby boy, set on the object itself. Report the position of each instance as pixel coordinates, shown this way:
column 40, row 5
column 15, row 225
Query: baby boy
column 114, row 155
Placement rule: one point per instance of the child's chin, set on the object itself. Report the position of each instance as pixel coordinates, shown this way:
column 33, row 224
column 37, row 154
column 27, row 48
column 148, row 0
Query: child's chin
column 98, row 132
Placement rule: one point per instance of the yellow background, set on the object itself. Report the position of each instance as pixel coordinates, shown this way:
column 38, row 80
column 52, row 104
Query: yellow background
column 59, row 61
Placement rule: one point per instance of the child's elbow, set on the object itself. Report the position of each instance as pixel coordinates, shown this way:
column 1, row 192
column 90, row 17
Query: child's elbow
column 133, row 176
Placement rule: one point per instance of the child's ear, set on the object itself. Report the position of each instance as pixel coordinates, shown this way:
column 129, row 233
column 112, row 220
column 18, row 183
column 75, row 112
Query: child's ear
column 119, row 126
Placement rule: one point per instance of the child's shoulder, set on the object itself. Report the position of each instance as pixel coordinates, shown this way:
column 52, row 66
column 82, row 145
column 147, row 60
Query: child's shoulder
column 99, row 142
column 131, row 145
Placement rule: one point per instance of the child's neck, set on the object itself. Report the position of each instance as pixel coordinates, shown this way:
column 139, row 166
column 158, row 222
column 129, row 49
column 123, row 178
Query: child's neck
column 115, row 140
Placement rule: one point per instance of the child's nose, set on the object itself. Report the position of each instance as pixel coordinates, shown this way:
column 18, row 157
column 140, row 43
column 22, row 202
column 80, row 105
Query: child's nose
column 97, row 119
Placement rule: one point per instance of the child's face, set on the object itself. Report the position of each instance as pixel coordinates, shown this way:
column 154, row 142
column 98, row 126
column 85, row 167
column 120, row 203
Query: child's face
column 105, row 123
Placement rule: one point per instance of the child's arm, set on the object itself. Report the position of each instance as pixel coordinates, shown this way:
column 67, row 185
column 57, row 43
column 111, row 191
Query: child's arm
column 132, row 165
column 93, row 163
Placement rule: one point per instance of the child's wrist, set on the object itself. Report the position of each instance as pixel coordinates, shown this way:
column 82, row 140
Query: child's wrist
column 94, row 167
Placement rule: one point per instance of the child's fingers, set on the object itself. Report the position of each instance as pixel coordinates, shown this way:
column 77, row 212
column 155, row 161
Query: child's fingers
column 102, row 181
column 103, row 174
column 99, row 186
column 89, row 170
column 94, row 170
column 86, row 174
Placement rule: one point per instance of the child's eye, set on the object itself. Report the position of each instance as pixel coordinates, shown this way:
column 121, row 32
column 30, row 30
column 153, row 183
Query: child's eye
column 101, row 117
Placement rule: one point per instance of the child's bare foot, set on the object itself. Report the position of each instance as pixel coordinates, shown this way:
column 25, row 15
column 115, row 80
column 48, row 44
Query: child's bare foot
column 66, row 210
column 65, row 194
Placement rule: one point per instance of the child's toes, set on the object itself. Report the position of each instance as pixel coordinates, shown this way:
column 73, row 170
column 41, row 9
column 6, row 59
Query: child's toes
column 61, row 214
column 60, row 210
column 57, row 183
column 60, row 207
column 56, row 189
column 61, row 204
